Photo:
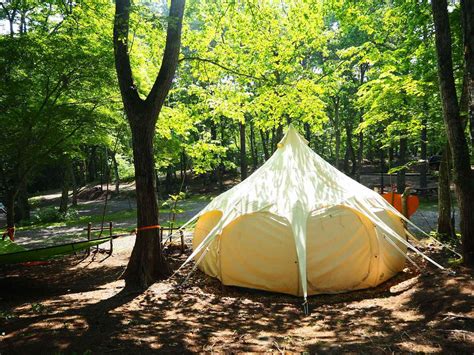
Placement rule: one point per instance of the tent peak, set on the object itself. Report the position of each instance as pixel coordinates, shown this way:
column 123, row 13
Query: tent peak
column 292, row 136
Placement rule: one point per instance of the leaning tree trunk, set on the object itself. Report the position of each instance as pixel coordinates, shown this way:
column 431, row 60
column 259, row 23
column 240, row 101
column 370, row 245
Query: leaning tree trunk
column 463, row 176
column 445, row 226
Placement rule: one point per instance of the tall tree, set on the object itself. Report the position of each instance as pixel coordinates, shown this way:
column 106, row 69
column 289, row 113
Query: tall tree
column 467, row 8
column 463, row 176
column 147, row 262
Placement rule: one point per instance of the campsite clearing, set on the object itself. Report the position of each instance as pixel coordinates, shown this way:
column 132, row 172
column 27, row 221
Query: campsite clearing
column 71, row 306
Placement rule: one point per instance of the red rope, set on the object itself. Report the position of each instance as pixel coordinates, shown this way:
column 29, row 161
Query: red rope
column 136, row 230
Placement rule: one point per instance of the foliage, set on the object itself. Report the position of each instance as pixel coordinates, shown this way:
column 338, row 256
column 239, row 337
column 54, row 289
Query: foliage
column 52, row 214
column 354, row 77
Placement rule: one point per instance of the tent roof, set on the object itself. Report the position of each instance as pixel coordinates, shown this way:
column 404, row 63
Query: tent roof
column 295, row 177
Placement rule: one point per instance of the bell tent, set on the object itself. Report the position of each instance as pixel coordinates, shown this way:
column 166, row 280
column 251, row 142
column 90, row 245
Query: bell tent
column 299, row 226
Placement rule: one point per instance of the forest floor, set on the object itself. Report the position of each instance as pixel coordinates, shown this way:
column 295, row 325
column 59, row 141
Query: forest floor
column 78, row 304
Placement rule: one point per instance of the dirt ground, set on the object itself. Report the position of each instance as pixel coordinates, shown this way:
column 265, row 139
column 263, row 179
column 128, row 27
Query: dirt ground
column 79, row 306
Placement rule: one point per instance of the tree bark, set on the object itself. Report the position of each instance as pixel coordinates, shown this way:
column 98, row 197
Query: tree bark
column 243, row 152
column 253, row 148
column 467, row 11
column 92, row 166
column 63, row 205
column 350, row 154
column 307, row 133
column 147, row 262
column 264, row 136
column 424, row 163
column 445, row 226
column 401, row 183
column 22, row 207
column 10, row 205
column 116, row 173
column 337, row 131
column 73, row 185
column 463, row 176
column 360, row 150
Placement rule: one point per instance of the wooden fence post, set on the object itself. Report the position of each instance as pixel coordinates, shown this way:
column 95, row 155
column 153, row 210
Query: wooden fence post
column 405, row 196
column 89, row 232
column 111, row 240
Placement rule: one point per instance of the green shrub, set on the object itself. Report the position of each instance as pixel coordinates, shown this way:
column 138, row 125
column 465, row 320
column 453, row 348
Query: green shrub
column 52, row 214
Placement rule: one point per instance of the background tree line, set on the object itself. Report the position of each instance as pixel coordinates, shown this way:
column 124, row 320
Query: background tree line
column 359, row 79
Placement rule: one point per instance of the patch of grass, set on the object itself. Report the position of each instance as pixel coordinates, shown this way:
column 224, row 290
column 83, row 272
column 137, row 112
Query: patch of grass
column 74, row 219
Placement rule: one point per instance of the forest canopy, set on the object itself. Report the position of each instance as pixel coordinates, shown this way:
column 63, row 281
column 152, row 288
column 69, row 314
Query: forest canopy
column 358, row 79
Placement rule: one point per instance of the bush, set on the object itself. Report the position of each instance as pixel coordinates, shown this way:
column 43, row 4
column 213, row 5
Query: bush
column 52, row 214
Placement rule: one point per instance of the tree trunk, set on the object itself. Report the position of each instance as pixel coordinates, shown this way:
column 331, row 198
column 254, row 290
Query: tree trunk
column 213, row 175
column 424, row 163
column 445, row 226
column 350, row 154
column 184, row 164
column 360, row 150
column 467, row 10
column 22, row 207
column 243, row 153
column 337, row 132
column 279, row 136
column 73, row 185
column 253, row 148
column 92, row 167
column 147, row 262
column 390, row 156
column 382, row 170
column 10, row 205
column 116, row 173
column 264, row 136
column 220, row 168
column 63, row 204
column 401, row 184
column 169, row 181
column 463, row 176
column 307, row 133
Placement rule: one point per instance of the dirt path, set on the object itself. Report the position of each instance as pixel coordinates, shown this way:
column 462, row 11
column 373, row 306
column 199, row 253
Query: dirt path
column 54, row 235
column 81, row 307
column 426, row 217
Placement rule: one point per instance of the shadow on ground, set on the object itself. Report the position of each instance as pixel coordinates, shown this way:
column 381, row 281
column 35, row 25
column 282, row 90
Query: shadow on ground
column 77, row 308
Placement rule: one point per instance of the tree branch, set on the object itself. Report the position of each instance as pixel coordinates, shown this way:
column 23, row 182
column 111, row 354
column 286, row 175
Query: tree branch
column 217, row 64
column 162, row 85
column 122, row 59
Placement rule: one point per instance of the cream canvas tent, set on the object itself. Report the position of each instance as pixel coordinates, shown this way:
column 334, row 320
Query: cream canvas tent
column 299, row 226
